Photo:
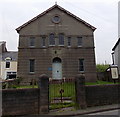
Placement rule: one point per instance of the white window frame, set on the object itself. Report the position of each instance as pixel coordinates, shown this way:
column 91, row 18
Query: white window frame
column 79, row 41
column 32, row 42
column 61, row 39
column 52, row 40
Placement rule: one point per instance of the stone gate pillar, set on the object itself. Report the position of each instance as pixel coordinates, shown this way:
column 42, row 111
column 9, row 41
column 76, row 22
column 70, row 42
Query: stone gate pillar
column 43, row 85
column 80, row 91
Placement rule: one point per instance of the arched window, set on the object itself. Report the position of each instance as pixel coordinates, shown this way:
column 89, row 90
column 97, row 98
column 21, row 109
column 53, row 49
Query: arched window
column 61, row 39
column 51, row 39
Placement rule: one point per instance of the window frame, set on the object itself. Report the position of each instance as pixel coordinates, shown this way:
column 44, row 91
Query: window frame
column 52, row 40
column 7, row 66
column 31, row 65
column 43, row 41
column 79, row 41
column 81, row 65
column 32, row 42
column 61, row 39
column 69, row 41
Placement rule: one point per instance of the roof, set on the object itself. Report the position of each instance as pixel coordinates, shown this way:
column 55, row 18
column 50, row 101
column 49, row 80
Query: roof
column 11, row 54
column 51, row 8
column 116, row 44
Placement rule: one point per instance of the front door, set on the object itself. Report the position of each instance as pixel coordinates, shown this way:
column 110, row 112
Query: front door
column 57, row 68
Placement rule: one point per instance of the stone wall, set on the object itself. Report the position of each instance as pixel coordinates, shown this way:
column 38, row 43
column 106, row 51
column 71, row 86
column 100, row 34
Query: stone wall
column 26, row 101
column 96, row 95
column 20, row 101
column 102, row 95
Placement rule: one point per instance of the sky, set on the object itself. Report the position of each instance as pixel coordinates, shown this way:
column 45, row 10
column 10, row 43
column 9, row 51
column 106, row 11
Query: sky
column 102, row 14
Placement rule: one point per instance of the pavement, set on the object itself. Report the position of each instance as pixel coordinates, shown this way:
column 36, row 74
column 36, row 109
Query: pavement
column 73, row 112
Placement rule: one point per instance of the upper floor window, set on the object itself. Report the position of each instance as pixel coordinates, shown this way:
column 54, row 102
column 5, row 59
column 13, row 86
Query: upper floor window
column 43, row 41
column 32, row 42
column 51, row 39
column 61, row 39
column 81, row 65
column 79, row 39
column 7, row 64
column 69, row 41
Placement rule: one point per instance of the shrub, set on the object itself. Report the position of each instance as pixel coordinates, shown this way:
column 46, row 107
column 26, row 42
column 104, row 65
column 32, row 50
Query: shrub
column 101, row 67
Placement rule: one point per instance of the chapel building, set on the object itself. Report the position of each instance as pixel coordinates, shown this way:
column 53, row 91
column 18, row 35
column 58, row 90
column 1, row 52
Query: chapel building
column 56, row 43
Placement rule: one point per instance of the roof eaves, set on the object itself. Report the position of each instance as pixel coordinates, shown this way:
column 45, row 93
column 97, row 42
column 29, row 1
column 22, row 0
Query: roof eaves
column 64, row 10
column 116, row 44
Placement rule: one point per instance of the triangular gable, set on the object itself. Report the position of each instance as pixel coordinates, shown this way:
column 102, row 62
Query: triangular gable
column 51, row 8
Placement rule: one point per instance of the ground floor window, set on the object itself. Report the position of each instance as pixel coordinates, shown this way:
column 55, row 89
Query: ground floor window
column 7, row 64
column 32, row 65
column 11, row 75
column 81, row 65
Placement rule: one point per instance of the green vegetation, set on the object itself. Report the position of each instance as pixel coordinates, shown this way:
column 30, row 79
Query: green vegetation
column 29, row 86
column 99, row 83
column 101, row 67
column 68, row 89
column 56, row 87
column 58, row 91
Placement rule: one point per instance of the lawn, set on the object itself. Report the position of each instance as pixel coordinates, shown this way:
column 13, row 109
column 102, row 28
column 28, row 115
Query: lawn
column 99, row 83
column 57, row 86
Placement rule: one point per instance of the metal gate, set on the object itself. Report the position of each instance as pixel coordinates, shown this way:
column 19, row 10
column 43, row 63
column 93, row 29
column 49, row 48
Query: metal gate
column 61, row 93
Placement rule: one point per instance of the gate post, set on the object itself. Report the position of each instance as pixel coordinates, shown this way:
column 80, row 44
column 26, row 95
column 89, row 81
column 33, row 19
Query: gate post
column 80, row 91
column 43, row 85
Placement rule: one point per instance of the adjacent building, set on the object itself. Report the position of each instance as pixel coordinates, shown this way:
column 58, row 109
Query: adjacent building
column 56, row 43
column 8, row 62
column 116, row 54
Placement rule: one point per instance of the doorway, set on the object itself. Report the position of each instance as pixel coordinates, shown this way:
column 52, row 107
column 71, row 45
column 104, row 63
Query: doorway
column 57, row 68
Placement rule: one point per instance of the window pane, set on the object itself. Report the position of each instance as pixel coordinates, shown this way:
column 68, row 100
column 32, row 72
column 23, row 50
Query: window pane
column 79, row 41
column 32, row 65
column 32, row 42
column 51, row 39
column 69, row 41
column 43, row 41
column 61, row 39
column 81, row 64
column 7, row 64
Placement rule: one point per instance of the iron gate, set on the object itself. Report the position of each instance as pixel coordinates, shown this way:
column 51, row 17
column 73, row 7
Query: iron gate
column 61, row 93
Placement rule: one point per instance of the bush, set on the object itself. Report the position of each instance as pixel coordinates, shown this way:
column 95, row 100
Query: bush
column 101, row 67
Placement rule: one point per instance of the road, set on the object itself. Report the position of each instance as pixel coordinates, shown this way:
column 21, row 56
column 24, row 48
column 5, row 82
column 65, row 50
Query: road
column 112, row 112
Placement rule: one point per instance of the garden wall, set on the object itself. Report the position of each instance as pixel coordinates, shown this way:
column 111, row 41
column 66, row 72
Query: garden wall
column 20, row 101
column 102, row 94
column 26, row 101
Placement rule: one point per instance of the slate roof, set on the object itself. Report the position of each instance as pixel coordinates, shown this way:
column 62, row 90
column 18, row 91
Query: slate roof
column 116, row 44
column 12, row 54
column 51, row 8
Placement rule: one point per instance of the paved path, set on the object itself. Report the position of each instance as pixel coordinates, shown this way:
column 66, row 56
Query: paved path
column 72, row 111
column 111, row 112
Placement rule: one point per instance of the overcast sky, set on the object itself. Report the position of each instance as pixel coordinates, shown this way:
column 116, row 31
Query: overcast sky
column 102, row 14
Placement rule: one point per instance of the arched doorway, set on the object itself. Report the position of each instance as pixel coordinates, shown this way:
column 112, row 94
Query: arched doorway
column 57, row 68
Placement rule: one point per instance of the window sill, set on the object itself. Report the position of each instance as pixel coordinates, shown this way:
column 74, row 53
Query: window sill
column 61, row 45
column 31, row 73
column 79, row 46
column 32, row 46
column 51, row 45
column 82, row 72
